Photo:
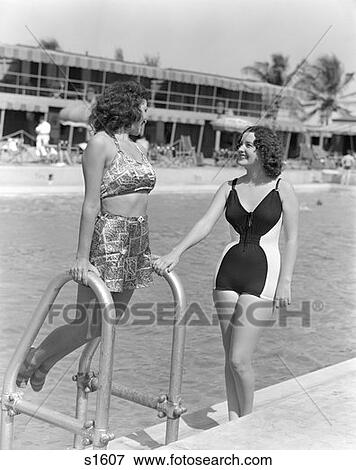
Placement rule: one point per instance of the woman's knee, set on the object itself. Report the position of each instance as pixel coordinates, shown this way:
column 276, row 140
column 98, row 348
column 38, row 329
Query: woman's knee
column 240, row 363
column 87, row 321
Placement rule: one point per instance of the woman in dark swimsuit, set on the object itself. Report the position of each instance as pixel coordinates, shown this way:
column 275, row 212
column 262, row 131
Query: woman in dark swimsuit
column 113, row 235
column 250, row 279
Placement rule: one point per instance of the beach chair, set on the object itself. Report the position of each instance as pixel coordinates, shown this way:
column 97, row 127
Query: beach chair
column 185, row 151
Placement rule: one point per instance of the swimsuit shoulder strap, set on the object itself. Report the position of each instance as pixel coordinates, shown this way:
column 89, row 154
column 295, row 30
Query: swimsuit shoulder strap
column 276, row 188
column 117, row 145
column 233, row 184
column 126, row 156
column 139, row 149
column 143, row 154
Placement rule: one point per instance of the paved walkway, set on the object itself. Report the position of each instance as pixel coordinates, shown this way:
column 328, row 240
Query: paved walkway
column 313, row 411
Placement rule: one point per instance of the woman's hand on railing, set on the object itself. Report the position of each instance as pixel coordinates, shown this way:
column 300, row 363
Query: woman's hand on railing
column 80, row 270
column 165, row 263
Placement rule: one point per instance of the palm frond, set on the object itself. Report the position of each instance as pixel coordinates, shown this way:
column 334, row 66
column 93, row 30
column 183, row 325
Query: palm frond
column 346, row 81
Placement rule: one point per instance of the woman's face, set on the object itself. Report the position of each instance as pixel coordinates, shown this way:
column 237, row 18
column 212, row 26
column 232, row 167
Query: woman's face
column 139, row 126
column 247, row 153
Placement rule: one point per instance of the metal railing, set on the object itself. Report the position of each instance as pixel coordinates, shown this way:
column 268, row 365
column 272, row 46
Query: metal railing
column 94, row 432
column 72, row 89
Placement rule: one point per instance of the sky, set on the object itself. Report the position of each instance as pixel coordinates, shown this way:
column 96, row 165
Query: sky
column 214, row 36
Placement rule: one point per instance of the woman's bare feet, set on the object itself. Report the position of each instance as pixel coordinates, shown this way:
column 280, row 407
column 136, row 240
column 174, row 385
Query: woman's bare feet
column 27, row 368
column 38, row 378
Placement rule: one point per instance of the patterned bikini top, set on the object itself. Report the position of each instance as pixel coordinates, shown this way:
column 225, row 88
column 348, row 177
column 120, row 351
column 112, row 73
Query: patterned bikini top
column 126, row 175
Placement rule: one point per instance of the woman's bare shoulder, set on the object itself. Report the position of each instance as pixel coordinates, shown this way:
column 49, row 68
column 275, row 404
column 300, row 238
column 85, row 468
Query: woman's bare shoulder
column 100, row 143
column 101, row 138
column 236, row 181
column 285, row 187
column 225, row 188
column 287, row 192
column 227, row 185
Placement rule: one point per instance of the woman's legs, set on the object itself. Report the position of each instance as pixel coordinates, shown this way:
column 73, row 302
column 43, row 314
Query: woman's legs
column 225, row 304
column 240, row 321
column 65, row 339
column 249, row 319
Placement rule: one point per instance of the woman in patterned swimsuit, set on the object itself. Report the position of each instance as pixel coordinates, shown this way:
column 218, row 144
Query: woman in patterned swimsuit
column 113, row 235
column 251, row 277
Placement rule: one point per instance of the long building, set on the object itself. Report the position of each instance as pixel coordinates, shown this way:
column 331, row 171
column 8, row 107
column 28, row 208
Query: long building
column 36, row 82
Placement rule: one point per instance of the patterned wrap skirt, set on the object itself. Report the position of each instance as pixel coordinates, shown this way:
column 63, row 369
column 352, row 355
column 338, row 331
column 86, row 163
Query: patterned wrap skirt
column 120, row 251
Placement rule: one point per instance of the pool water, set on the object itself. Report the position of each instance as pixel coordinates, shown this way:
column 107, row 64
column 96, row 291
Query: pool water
column 38, row 239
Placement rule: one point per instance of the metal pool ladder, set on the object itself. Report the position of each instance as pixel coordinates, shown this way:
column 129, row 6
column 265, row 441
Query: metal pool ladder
column 94, row 432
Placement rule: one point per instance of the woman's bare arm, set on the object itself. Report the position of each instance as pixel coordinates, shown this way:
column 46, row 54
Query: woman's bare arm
column 199, row 231
column 93, row 167
column 290, row 225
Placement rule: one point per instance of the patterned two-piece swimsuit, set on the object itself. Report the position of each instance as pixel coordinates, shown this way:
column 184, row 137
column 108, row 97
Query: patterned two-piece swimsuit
column 120, row 245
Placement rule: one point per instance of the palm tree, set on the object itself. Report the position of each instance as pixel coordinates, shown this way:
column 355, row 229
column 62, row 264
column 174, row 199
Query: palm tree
column 274, row 73
column 152, row 60
column 324, row 83
column 119, row 54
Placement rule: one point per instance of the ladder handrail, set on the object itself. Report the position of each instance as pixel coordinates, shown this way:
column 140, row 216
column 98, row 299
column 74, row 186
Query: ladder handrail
column 82, row 397
column 86, row 432
column 40, row 313
column 167, row 405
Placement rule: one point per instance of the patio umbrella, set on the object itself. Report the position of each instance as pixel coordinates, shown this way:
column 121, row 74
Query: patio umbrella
column 75, row 115
column 230, row 124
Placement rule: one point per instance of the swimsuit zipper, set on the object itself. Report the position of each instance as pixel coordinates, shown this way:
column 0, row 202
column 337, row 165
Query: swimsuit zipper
column 248, row 227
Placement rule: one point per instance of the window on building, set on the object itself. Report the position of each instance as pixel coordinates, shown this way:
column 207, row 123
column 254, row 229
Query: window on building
column 230, row 98
column 9, row 69
column 251, row 104
column 75, row 83
column 206, row 99
column 183, row 88
column 52, row 82
column 34, row 68
column 159, row 93
column 96, row 77
column 75, row 73
column 146, row 82
column 28, row 81
column 93, row 79
column 111, row 77
column 119, row 77
column 182, row 96
column 10, row 75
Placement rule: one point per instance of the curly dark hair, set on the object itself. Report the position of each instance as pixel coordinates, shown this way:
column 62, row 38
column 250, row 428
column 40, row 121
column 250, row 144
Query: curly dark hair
column 118, row 107
column 269, row 149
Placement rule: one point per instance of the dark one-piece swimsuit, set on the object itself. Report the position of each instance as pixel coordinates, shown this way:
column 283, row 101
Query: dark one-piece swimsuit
column 251, row 264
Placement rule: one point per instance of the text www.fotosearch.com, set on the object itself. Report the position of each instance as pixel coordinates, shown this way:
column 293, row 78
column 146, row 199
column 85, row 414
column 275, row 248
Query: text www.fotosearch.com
column 178, row 460
column 207, row 460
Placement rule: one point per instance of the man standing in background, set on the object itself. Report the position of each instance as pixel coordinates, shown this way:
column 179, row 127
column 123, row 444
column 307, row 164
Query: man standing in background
column 43, row 131
column 347, row 163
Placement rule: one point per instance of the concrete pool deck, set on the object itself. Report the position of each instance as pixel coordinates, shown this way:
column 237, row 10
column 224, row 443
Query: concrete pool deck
column 313, row 411
column 56, row 180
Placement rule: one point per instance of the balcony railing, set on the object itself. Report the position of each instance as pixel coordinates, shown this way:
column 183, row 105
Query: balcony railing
column 68, row 89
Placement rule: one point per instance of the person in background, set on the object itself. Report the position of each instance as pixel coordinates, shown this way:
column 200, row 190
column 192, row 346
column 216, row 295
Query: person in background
column 347, row 163
column 43, row 131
